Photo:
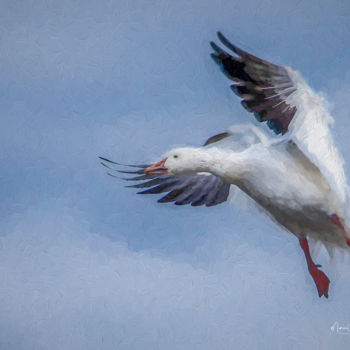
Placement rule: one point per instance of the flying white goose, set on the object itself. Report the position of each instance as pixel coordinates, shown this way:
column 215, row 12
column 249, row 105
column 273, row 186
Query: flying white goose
column 297, row 178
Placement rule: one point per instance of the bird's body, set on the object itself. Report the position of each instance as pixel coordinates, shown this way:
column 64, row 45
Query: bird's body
column 299, row 201
column 297, row 178
column 282, row 181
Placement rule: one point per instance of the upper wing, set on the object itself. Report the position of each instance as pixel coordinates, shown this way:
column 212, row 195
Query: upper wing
column 264, row 87
column 194, row 189
column 279, row 96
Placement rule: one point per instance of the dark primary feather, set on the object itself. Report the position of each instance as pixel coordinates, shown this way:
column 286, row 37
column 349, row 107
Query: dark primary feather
column 263, row 86
column 138, row 178
column 216, row 138
column 130, row 165
column 150, row 183
column 194, row 189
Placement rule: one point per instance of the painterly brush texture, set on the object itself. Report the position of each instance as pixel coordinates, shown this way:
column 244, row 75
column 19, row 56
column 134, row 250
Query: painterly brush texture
column 86, row 265
column 298, row 180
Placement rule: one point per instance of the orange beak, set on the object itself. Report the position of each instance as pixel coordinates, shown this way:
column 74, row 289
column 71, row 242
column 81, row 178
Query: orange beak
column 157, row 168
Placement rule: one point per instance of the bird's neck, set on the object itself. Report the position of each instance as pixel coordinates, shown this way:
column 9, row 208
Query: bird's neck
column 226, row 164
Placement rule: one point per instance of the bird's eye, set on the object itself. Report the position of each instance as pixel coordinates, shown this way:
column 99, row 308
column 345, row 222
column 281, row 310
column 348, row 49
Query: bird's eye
column 176, row 156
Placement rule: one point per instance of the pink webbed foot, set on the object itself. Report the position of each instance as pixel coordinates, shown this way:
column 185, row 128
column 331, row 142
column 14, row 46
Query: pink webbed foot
column 321, row 280
column 319, row 277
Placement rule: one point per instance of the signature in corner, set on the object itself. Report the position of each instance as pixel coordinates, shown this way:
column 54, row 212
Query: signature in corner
column 340, row 329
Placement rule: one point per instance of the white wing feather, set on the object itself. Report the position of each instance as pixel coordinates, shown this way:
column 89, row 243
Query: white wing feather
column 310, row 129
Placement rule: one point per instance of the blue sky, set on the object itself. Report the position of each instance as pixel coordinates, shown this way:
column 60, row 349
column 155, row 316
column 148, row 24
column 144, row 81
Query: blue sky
column 87, row 264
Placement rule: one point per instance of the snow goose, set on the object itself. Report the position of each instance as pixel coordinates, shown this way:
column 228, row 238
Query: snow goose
column 296, row 176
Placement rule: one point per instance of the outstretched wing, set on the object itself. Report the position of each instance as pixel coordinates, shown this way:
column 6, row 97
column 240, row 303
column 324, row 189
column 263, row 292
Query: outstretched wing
column 264, row 87
column 279, row 96
column 195, row 189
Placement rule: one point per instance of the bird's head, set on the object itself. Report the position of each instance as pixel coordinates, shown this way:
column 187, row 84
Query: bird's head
column 180, row 161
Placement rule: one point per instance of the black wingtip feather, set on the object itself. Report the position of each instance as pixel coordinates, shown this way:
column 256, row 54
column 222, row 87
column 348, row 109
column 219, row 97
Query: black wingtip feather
column 150, row 183
column 239, row 89
column 105, row 165
column 216, row 138
column 130, row 165
column 230, row 46
column 139, row 178
column 109, row 174
column 216, row 48
column 170, row 197
column 141, row 171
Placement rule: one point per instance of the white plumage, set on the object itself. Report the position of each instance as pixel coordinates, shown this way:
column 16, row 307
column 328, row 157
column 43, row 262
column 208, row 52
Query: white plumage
column 297, row 177
column 310, row 130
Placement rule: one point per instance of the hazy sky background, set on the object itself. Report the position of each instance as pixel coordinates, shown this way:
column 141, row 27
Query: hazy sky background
column 87, row 264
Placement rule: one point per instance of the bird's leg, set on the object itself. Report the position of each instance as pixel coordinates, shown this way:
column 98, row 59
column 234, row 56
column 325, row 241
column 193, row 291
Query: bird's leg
column 320, row 278
column 336, row 220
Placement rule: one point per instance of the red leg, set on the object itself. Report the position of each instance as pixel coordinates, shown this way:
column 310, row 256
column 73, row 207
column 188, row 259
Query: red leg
column 320, row 278
column 335, row 219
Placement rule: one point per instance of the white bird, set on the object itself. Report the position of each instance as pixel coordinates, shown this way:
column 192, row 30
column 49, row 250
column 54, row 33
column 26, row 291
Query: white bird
column 296, row 177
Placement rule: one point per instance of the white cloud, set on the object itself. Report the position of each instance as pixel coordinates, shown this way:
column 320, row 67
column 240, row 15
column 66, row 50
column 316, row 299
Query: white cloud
column 66, row 288
column 84, row 264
